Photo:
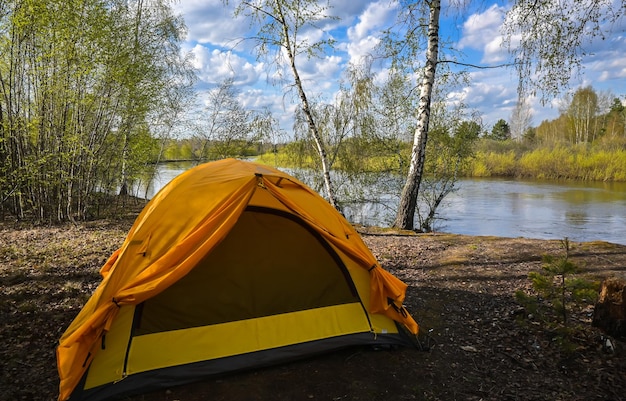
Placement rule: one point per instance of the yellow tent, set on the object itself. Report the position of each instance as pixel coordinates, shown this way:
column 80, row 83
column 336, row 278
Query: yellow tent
column 231, row 265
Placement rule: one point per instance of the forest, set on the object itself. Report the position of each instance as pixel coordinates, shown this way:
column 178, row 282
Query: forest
column 85, row 88
column 94, row 95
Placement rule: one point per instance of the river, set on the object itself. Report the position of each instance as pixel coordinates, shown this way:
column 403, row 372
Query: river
column 586, row 211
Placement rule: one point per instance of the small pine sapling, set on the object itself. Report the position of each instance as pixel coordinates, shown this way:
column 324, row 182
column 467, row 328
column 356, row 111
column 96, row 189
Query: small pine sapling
column 558, row 287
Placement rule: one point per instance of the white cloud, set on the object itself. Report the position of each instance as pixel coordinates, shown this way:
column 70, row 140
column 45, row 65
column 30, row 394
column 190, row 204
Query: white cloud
column 376, row 16
column 210, row 22
column 320, row 75
column 493, row 93
column 214, row 66
column 260, row 99
column 211, row 31
column 607, row 62
column 361, row 48
column 364, row 36
column 494, row 52
column 330, row 66
column 481, row 31
column 611, row 69
column 482, row 96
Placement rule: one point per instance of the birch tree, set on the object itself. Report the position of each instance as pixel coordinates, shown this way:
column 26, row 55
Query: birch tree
column 417, row 38
column 229, row 129
column 520, row 120
column 451, row 143
column 547, row 42
column 408, row 199
column 549, row 39
column 365, row 130
column 74, row 76
column 148, row 57
column 581, row 114
column 281, row 38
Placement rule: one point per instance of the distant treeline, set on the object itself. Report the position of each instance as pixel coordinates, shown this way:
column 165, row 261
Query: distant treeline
column 582, row 143
column 491, row 158
column 562, row 161
column 516, row 160
column 200, row 149
column 587, row 141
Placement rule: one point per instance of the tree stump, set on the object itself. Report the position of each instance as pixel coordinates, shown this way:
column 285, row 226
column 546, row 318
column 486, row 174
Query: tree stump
column 610, row 311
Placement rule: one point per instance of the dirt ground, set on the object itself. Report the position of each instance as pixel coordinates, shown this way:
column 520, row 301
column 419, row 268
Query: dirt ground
column 478, row 343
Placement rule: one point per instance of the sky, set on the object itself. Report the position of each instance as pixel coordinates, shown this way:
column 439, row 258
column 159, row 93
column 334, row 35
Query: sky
column 214, row 38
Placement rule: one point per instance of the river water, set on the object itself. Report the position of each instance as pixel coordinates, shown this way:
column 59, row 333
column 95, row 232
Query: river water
column 586, row 211
column 536, row 209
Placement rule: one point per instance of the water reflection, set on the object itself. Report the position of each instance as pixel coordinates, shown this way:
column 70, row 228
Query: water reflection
column 577, row 218
column 537, row 209
column 509, row 208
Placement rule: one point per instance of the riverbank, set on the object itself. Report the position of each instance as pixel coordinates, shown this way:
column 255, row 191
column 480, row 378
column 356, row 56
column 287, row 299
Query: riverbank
column 580, row 211
column 483, row 345
column 555, row 162
column 503, row 159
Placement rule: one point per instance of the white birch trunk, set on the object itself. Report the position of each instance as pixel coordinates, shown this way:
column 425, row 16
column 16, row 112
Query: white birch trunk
column 408, row 201
column 321, row 150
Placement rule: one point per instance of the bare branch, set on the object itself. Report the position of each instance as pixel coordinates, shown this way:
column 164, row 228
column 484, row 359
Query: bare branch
column 482, row 67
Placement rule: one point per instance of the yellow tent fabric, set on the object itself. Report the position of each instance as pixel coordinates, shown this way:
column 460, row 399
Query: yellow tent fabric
column 184, row 222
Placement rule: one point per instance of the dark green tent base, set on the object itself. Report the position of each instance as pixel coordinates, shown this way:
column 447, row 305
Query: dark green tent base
column 183, row 374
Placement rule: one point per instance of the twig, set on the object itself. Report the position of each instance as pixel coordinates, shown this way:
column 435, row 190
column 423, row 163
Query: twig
column 514, row 359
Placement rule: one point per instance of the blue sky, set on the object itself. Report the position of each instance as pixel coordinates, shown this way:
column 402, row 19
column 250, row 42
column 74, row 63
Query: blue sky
column 214, row 40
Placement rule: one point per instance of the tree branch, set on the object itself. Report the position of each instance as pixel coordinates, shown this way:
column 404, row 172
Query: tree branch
column 482, row 67
column 260, row 10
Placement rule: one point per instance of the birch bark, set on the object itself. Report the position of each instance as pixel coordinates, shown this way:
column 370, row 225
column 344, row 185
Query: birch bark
column 405, row 218
column 321, row 149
